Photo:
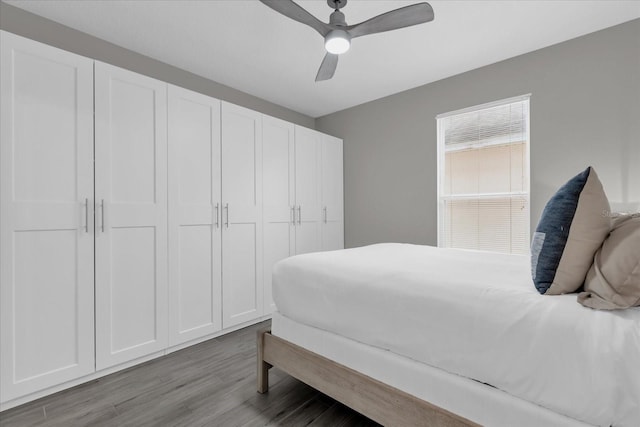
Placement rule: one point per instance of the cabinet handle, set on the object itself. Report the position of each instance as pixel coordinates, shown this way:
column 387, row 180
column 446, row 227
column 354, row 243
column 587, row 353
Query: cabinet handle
column 226, row 223
column 102, row 215
column 217, row 215
column 325, row 214
column 292, row 214
column 299, row 215
column 86, row 215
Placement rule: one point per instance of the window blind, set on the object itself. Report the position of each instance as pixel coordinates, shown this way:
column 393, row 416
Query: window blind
column 483, row 172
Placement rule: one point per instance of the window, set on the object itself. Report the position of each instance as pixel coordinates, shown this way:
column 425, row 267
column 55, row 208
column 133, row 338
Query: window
column 483, row 177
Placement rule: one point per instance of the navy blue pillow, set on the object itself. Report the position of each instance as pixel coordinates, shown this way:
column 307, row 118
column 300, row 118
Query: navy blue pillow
column 572, row 227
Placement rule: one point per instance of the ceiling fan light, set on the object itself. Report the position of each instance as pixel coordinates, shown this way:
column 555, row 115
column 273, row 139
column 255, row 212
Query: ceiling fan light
column 337, row 42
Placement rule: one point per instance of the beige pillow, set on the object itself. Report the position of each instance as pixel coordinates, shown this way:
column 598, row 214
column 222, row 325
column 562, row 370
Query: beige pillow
column 613, row 282
column 572, row 227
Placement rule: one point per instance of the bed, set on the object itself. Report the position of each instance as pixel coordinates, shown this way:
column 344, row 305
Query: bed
column 417, row 335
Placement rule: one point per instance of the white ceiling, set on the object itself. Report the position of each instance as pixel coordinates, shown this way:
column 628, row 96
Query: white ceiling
column 245, row 45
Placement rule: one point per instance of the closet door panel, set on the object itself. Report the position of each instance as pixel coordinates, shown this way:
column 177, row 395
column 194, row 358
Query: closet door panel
column 195, row 294
column 279, row 244
column 332, row 235
column 308, row 238
column 307, row 172
column 132, row 287
column 278, row 183
column 46, row 196
column 131, row 226
column 332, row 194
column 332, row 178
column 39, row 293
column 132, row 142
column 240, row 160
column 44, row 155
column 242, row 300
column 241, row 215
column 195, row 307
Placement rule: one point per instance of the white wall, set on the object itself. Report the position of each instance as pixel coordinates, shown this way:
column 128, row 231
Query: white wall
column 585, row 110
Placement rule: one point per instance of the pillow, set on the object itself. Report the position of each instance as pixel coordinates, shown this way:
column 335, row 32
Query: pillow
column 573, row 226
column 613, row 282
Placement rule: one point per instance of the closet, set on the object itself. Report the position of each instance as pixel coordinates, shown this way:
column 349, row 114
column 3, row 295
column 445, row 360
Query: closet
column 278, row 183
column 302, row 182
column 195, row 232
column 215, row 215
column 242, row 215
column 131, row 215
column 138, row 217
column 46, row 217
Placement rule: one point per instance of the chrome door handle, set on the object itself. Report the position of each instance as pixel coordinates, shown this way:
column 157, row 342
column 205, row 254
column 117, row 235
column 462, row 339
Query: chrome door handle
column 86, row 215
column 102, row 215
column 325, row 214
column 226, row 207
column 292, row 215
column 299, row 215
column 217, row 215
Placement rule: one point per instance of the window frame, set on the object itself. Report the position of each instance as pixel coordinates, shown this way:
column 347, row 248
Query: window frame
column 441, row 163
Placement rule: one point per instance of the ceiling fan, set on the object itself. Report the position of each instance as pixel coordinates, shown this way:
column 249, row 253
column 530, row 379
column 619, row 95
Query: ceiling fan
column 337, row 34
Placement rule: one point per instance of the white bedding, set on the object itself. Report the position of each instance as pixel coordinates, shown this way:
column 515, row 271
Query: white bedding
column 474, row 314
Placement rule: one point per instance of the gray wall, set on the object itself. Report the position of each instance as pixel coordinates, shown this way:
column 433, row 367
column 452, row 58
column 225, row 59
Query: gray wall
column 585, row 110
column 32, row 26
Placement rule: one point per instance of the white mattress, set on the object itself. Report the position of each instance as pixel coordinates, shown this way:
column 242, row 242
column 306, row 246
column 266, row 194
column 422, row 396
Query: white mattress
column 474, row 314
column 470, row 399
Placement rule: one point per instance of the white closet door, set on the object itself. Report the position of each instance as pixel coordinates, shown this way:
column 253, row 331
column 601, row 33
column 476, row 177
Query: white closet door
column 308, row 209
column 332, row 194
column 278, row 175
column 195, row 293
column 46, row 232
column 131, row 215
column 242, row 298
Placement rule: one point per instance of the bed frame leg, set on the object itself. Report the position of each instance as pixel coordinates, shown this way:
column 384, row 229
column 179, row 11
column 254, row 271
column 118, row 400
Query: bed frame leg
column 263, row 367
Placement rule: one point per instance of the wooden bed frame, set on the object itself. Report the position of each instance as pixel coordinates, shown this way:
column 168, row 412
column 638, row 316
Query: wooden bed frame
column 382, row 403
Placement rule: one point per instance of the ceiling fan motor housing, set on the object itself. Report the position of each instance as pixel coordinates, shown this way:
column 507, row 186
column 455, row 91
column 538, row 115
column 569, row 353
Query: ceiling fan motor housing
column 337, row 41
column 337, row 18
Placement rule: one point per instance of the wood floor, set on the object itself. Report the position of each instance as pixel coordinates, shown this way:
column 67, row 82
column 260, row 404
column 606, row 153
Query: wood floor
column 210, row 384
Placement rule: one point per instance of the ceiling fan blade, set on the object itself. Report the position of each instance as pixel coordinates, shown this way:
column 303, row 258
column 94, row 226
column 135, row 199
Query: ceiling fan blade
column 292, row 10
column 328, row 67
column 399, row 18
